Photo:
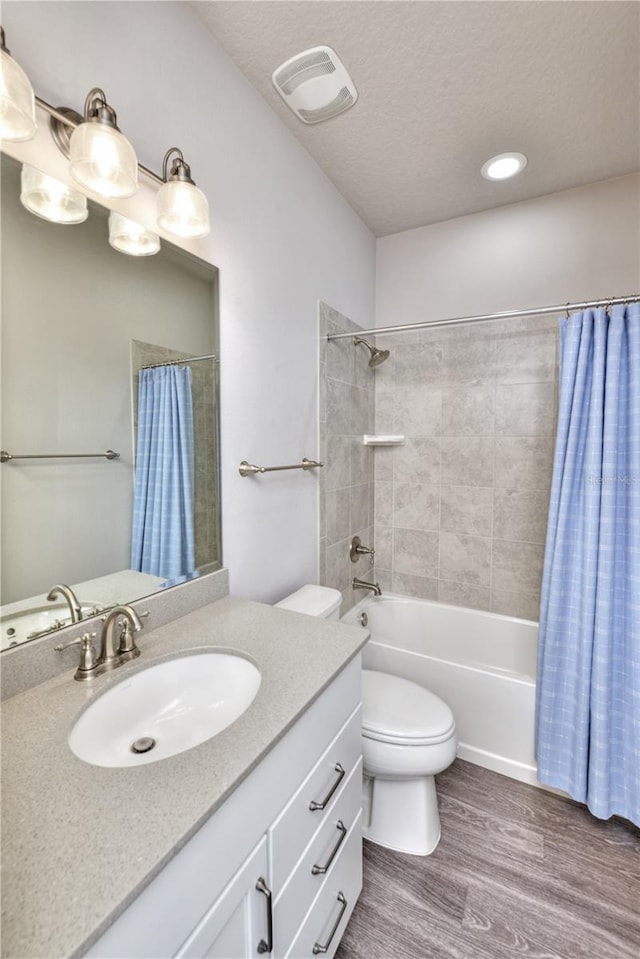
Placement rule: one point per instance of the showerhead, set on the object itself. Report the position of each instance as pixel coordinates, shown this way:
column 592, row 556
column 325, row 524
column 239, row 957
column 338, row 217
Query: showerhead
column 377, row 356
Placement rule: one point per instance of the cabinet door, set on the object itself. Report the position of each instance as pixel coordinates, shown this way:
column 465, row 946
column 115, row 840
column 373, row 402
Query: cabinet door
column 238, row 924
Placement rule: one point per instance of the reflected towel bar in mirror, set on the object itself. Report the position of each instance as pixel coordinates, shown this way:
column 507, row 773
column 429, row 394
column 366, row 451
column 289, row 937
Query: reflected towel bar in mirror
column 5, row 457
column 247, row 469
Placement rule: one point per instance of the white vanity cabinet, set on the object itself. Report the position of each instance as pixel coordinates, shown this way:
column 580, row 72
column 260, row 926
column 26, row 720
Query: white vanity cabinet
column 276, row 870
column 235, row 926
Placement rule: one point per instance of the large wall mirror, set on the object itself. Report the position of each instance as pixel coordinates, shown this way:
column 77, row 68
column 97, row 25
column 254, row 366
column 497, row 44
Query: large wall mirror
column 79, row 322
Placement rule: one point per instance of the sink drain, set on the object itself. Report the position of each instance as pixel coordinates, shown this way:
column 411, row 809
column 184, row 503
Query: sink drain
column 143, row 745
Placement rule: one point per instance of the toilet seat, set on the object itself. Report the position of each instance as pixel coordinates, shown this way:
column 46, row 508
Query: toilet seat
column 400, row 712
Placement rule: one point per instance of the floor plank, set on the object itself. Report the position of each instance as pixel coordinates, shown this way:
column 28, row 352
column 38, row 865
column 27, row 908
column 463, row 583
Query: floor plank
column 518, row 872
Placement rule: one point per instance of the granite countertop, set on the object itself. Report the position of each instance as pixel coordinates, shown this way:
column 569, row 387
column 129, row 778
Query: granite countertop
column 80, row 842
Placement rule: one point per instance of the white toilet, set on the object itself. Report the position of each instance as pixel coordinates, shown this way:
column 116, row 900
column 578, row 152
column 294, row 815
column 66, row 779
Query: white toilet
column 408, row 737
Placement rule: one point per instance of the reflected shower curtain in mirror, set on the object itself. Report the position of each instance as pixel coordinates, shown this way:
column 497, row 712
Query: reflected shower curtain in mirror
column 588, row 689
column 163, row 508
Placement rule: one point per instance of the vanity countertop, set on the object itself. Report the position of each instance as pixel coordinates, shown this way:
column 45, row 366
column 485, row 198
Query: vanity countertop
column 80, row 842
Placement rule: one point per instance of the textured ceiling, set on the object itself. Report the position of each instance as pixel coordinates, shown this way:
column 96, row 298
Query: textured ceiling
column 443, row 86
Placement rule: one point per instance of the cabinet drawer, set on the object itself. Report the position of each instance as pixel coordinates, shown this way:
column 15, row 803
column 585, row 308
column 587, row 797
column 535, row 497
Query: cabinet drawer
column 297, row 823
column 324, row 853
column 327, row 919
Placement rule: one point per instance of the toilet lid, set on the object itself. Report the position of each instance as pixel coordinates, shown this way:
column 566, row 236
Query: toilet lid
column 395, row 710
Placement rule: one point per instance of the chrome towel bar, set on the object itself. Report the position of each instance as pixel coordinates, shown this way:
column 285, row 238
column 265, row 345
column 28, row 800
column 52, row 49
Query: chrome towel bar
column 248, row 469
column 5, row 457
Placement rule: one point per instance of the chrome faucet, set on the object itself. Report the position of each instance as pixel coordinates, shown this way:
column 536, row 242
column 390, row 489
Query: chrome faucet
column 114, row 650
column 361, row 584
column 112, row 655
column 72, row 600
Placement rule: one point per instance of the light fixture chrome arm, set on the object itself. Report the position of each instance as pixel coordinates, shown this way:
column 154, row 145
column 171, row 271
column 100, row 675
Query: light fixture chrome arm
column 179, row 169
column 96, row 108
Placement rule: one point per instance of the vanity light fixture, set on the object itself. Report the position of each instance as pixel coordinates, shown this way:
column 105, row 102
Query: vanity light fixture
column 100, row 157
column 17, row 100
column 503, row 166
column 102, row 160
column 131, row 238
column 50, row 199
column 182, row 209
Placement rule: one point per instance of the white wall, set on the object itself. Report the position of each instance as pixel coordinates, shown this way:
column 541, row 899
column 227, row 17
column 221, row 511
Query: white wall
column 282, row 237
column 576, row 245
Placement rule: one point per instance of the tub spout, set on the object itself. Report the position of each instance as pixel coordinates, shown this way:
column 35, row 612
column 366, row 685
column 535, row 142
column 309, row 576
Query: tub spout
column 361, row 584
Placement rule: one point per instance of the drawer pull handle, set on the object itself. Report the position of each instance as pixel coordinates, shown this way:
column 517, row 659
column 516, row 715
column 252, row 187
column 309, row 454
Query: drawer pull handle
column 318, row 947
column 313, row 805
column 320, row 870
column 266, row 946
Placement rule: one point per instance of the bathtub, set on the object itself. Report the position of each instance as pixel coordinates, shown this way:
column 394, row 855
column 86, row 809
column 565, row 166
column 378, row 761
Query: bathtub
column 482, row 664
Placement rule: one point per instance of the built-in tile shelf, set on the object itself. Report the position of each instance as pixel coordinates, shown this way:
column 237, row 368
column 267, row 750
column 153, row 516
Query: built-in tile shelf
column 382, row 439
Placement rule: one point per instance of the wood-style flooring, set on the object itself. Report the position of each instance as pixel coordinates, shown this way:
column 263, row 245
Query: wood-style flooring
column 519, row 872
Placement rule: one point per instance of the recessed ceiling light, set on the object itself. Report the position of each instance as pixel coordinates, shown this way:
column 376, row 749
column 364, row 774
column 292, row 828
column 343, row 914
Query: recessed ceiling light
column 503, row 166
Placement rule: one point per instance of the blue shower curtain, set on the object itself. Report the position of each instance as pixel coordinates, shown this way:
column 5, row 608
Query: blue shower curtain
column 588, row 689
column 162, row 540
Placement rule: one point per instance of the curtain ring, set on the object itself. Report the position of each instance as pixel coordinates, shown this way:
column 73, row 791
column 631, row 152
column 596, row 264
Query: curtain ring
column 566, row 312
column 609, row 306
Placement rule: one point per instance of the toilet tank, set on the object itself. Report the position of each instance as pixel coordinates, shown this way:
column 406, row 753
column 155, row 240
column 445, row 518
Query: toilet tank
column 315, row 601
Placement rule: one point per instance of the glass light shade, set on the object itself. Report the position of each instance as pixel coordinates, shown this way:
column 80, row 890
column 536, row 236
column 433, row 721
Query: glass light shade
column 182, row 209
column 51, row 199
column 103, row 160
column 131, row 238
column 17, row 101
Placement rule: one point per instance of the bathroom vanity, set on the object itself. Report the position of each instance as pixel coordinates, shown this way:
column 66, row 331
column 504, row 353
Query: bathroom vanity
column 247, row 845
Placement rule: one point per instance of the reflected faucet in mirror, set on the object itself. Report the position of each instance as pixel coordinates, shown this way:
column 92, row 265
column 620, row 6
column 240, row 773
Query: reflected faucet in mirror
column 74, row 605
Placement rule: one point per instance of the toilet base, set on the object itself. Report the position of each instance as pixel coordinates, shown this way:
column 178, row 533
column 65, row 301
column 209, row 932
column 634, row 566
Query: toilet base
column 404, row 815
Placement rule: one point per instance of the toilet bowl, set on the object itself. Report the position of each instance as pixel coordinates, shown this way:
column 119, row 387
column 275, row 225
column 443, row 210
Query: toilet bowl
column 408, row 737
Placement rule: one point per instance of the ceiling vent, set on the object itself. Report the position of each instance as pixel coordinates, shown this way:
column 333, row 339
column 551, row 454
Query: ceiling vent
column 315, row 85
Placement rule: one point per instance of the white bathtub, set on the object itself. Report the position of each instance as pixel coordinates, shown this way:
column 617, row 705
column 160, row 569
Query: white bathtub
column 482, row 664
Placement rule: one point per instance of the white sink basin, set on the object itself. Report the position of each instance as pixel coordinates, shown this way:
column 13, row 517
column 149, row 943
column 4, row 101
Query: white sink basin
column 176, row 705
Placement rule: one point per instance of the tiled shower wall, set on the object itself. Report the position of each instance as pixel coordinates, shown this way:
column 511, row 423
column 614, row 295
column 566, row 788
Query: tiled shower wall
column 346, row 481
column 460, row 510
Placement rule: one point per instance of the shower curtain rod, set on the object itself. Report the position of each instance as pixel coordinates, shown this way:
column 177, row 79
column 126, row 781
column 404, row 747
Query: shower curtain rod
column 191, row 359
column 510, row 314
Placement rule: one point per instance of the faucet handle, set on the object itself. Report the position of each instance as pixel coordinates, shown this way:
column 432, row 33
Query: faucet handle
column 127, row 639
column 128, row 628
column 81, row 640
column 88, row 657
column 357, row 550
